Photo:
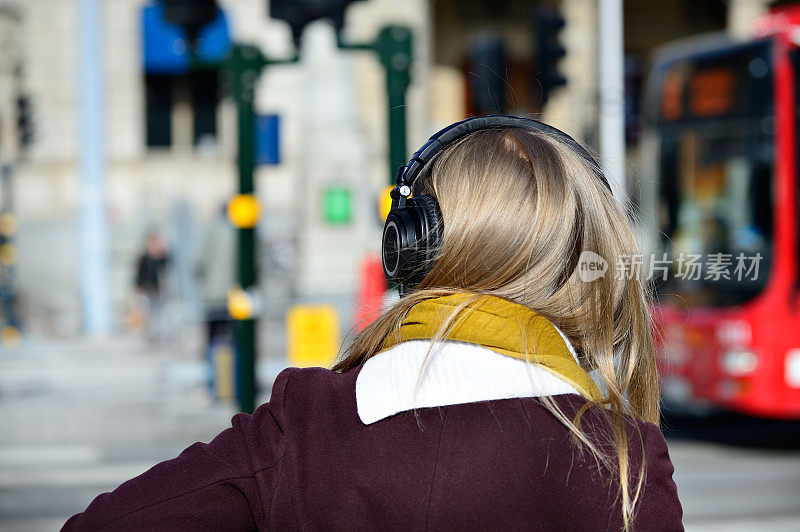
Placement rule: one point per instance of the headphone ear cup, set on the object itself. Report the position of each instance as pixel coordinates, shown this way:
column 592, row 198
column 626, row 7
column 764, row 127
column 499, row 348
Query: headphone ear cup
column 411, row 236
column 430, row 219
column 434, row 227
column 398, row 231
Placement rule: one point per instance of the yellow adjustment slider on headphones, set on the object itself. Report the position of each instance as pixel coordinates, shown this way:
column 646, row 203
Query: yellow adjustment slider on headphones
column 242, row 305
column 244, row 211
column 385, row 202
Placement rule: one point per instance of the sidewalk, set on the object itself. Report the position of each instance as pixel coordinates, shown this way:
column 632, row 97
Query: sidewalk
column 81, row 417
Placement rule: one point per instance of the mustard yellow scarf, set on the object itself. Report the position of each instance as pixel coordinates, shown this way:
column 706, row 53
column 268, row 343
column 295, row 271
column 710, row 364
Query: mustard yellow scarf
column 508, row 328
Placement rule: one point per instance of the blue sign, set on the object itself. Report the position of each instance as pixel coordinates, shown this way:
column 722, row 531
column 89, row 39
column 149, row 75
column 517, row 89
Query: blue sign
column 268, row 145
column 164, row 45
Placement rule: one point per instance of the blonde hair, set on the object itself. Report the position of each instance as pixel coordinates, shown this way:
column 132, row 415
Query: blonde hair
column 519, row 207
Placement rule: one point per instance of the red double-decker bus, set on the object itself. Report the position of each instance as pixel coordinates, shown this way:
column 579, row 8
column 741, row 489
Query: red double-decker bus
column 722, row 129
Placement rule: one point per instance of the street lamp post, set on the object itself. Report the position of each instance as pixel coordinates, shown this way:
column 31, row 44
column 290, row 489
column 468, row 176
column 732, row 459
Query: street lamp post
column 612, row 96
column 93, row 225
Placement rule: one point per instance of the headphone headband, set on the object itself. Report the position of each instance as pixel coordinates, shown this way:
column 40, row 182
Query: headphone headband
column 409, row 172
column 414, row 227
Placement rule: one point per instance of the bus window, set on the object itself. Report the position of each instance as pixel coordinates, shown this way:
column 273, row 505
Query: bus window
column 716, row 174
column 716, row 199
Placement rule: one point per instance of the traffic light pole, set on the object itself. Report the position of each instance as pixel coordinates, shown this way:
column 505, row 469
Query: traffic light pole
column 245, row 67
column 393, row 47
column 245, row 64
column 9, row 331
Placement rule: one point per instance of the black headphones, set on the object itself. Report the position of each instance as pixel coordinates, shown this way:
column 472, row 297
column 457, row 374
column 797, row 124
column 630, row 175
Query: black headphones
column 413, row 229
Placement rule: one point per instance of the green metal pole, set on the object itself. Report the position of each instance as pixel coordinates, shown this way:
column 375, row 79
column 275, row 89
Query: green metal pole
column 394, row 51
column 393, row 46
column 245, row 64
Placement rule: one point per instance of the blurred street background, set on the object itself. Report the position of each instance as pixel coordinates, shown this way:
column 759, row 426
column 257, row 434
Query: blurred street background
column 192, row 194
column 82, row 417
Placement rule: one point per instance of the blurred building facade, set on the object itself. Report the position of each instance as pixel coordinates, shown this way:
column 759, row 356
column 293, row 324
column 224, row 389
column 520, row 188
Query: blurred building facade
column 170, row 157
column 163, row 174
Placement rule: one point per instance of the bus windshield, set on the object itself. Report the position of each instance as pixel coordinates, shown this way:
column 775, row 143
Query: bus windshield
column 715, row 202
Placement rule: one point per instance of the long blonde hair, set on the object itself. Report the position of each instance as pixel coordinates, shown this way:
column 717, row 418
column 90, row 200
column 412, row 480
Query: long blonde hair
column 519, row 207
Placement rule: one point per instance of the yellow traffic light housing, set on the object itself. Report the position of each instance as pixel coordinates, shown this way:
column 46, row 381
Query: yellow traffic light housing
column 240, row 304
column 385, row 202
column 244, row 211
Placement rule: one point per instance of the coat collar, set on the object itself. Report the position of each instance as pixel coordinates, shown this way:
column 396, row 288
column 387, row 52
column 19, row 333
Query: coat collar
column 455, row 373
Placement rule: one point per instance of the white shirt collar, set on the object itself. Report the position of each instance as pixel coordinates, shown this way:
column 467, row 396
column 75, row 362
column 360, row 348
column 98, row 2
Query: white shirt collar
column 455, row 373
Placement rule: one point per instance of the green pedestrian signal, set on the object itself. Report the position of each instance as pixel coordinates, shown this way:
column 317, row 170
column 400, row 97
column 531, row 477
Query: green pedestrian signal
column 338, row 205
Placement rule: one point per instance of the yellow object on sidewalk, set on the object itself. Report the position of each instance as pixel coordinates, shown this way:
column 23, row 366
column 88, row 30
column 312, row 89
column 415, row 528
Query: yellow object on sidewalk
column 10, row 336
column 313, row 335
column 223, row 362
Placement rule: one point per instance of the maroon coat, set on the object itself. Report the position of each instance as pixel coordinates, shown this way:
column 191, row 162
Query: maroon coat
column 306, row 461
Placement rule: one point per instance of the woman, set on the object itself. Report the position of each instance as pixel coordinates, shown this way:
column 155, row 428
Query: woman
column 468, row 403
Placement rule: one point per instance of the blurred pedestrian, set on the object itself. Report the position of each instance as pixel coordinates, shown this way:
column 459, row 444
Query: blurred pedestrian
column 216, row 270
column 468, row 404
column 150, row 267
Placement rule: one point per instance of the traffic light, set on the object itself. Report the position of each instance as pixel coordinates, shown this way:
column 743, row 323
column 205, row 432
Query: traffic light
column 24, row 121
column 337, row 205
column 548, row 24
column 488, row 69
column 190, row 14
column 299, row 13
